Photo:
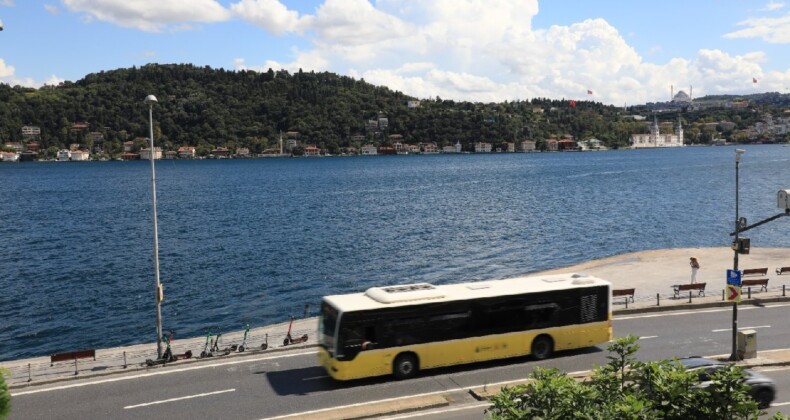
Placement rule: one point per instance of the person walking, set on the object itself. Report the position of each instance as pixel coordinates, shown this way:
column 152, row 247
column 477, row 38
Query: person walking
column 694, row 268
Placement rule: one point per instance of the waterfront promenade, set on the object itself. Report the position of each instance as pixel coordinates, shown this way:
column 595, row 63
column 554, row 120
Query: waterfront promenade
column 650, row 273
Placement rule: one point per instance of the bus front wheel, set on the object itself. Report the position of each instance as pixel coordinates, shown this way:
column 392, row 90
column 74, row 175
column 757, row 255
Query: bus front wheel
column 405, row 366
column 542, row 347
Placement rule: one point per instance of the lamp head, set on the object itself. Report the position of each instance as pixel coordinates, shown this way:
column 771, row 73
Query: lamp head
column 738, row 154
column 150, row 99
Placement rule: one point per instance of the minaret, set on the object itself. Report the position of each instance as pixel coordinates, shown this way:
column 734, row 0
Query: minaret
column 679, row 131
column 654, row 131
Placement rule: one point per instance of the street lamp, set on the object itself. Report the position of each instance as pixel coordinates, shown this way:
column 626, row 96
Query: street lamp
column 151, row 100
column 736, row 247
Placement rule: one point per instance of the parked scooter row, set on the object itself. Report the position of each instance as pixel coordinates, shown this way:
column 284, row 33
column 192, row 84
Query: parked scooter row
column 211, row 348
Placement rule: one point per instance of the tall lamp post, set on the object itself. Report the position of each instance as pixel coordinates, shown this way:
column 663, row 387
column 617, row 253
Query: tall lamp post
column 736, row 247
column 151, row 100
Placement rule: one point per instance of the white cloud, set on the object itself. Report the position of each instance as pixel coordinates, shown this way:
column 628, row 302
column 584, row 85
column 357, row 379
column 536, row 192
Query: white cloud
column 5, row 70
column 773, row 30
column 150, row 15
column 772, row 6
column 270, row 15
column 7, row 73
column 8, row 3
column 53, row 10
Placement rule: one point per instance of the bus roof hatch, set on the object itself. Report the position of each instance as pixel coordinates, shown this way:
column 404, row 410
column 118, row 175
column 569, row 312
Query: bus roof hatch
column 404, row 293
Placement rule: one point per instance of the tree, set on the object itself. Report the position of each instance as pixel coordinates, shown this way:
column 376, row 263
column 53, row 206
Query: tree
column 5, row 396
column 625, row 388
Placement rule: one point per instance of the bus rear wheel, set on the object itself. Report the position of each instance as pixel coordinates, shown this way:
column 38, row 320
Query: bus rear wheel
column 405, row 366
column 542, row 347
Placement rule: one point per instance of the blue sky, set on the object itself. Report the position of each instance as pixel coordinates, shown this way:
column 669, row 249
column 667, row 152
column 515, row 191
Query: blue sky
column 493, row 50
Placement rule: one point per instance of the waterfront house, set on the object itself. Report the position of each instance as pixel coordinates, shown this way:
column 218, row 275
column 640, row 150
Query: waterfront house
column 9, row 156
column 591, row 144
column 482, row 147
column 80, row 155
column 242, row 152
column 552, row 144
column 171, row 154
column 386, row 150
column 566, row 144
column 130, row 156
column 368, row 150
column 511, row 147
column 221, row 152
column 33, row 147
column 128, row 146
column 186, row 152
column 528, row 146
column 145, row 154
column 64, row 155
column 312, row 151
column 17, row 146
column 413, row 149
column 429, row 148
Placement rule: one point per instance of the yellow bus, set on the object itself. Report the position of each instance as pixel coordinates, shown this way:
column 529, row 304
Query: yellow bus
column 400, row 330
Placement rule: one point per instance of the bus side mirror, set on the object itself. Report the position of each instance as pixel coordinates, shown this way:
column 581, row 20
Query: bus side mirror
column 367, row 345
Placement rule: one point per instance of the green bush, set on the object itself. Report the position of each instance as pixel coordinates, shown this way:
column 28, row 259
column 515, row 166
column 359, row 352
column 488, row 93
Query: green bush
column 5, row 396
column 628, row 389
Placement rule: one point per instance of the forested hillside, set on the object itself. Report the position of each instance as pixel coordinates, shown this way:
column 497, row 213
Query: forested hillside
column 205, row 107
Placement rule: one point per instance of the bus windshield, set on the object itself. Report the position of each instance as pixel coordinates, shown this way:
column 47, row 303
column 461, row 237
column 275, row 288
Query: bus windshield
column 326, row 327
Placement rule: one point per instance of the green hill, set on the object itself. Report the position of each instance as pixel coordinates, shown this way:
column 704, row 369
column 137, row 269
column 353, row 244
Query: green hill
column 205, row 107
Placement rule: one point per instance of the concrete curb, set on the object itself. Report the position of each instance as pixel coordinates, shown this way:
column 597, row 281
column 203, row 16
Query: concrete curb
column 699, row 305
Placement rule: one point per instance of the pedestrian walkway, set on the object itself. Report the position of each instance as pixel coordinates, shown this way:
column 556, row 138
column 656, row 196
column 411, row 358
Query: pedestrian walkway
column 650, row 273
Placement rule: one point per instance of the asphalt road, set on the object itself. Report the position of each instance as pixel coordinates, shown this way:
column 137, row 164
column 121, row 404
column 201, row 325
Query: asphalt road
column 291, row 383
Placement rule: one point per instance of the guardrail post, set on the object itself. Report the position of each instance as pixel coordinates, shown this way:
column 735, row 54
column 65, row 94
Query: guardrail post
column 124, row 360
column 783, row 290
column 76, row 369
column 626, row 302
column 658, row 299
column 29, row 375
column 749, row 291
column 722, row 295
column 306, row 309
column 689, row 296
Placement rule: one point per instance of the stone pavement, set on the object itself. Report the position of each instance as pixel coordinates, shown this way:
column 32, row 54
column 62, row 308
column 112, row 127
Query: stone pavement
column 650, row 273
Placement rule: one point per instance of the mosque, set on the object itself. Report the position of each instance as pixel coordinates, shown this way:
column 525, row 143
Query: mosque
column 656, row 139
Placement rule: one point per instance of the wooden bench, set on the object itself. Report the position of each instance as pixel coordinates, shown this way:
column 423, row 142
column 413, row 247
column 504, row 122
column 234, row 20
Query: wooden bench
column 756, row 282
column 699, row 287
column 782, row 270
column 626, row 293
column 72, row 355
column 755, row 272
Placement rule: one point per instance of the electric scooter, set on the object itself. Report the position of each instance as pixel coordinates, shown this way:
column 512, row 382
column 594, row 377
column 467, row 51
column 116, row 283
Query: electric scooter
column 215, row 351
column 167, row 356
column 243, row 345
column 289, row 340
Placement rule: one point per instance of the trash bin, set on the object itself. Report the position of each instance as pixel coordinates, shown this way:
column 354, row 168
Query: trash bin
column 747, row 344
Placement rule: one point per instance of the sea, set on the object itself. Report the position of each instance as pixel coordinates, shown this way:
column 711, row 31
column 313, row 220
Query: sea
column 259, row 240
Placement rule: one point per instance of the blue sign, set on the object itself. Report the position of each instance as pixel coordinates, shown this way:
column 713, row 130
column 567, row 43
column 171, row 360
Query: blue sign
column 734, row 277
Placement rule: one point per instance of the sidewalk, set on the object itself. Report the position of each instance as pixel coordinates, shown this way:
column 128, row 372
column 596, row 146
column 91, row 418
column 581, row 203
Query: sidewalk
column 651, row 273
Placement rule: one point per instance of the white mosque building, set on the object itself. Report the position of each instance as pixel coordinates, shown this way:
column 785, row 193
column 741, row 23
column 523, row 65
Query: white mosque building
column 655, row 139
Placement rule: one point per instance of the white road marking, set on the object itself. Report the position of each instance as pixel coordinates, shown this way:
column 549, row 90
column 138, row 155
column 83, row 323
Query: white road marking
column 163, row 372
column 698, row 311
column 780, row 404
column 188, row 397
column 436, row 411
column 742, row 328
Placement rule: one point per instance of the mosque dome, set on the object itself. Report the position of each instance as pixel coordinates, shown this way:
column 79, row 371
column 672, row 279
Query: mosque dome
column 681, row 97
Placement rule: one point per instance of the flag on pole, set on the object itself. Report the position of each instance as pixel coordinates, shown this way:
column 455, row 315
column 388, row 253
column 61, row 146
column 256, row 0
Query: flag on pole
column 589, row 92
column 754, row 80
